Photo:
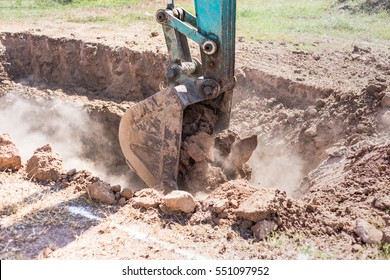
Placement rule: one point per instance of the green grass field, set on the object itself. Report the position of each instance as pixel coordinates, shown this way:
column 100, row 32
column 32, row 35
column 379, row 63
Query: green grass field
column 278, row 20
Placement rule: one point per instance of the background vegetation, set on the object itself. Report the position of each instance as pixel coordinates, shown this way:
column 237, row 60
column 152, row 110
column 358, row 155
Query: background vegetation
column 279, row 20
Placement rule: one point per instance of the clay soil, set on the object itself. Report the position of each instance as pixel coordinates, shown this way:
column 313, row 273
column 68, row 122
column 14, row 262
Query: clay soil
column 322, row 121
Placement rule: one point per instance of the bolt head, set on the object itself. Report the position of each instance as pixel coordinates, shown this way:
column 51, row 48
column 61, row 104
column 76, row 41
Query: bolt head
column 161, row 17
column 208, row 90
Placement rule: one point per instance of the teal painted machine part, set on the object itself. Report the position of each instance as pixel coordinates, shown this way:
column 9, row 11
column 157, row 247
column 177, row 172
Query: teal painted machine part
column 217, row 20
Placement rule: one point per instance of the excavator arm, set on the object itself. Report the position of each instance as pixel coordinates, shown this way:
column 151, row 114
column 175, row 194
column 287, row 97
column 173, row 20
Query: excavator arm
column 151, row 132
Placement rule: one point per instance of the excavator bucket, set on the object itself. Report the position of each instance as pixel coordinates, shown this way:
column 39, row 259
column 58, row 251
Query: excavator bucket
column 150, row 136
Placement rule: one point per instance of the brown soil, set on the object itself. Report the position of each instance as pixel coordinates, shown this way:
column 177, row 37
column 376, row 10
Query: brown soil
column 323, row 141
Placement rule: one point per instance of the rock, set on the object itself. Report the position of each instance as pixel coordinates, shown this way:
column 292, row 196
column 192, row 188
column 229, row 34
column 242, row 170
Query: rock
column 224, row 141
column 71, row 172
column 374, row 89
column 311, row 111
column 386, row 100
column 382, row 203
column 9, row 154
column 240, row 153
column 147, row 198
column 258, row 206
column 220, row 205
column 127, row 193
column 102, row 192
column 367, row 232
column 44, row 165
column 122, row 201
column 145, row 202
column 180, row 201
column 311, row 131
column 386, row 235
column 262, row 228
column 202, row 175
column 355, row 56
column 200, row 146
column 116, row 188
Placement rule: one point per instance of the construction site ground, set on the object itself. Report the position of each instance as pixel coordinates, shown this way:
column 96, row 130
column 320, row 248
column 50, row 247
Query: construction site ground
column 320, row 109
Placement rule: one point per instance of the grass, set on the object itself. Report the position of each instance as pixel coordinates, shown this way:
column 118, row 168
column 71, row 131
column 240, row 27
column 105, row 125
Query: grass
column 278, row 20
column 385, row 250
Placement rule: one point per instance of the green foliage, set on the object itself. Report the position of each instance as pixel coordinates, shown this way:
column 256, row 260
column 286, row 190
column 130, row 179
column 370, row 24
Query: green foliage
column 385, row 249
column 277, row 20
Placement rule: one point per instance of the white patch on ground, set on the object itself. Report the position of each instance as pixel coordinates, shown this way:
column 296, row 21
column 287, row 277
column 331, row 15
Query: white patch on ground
column 84, row 213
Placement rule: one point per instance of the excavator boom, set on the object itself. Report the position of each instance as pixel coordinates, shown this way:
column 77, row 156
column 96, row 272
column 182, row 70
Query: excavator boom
column 151, row 132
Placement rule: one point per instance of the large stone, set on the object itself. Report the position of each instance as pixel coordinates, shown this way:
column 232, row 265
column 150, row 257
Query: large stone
column 44, row 165
column 367, row 232
column 200, row 146
column 102, row 192
column 262, row 228
column 180, row 201
column 259, row 205
column 240, row 153
column 9, row 154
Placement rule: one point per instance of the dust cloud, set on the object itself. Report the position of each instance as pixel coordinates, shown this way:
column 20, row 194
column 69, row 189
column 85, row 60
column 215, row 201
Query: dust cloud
column 275, row 166
column 79, row 140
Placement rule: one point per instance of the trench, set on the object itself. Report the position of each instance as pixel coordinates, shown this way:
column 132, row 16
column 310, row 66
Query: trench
column 106, row 81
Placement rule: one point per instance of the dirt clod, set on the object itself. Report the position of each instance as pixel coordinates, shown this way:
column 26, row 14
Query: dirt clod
column 258, row 206
column 367, row 232
column 102, row 192
column 9, row 154
column 180, row 201
column 146, row 198
column 199, row 146
column 44, row 165
column 122, row 201
column 144, row 202
column 220, row 205
column 127, row 193
column 203, row 176
column 240, row 153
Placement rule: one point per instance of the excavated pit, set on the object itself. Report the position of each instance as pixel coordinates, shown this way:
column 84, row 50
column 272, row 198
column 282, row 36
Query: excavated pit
column 288, row 117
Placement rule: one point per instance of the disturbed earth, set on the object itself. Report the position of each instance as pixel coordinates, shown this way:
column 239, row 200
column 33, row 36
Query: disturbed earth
column 302, row 173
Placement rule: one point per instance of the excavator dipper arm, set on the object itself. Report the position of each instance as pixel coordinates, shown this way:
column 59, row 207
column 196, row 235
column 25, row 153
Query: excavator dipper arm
column 150, row 133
